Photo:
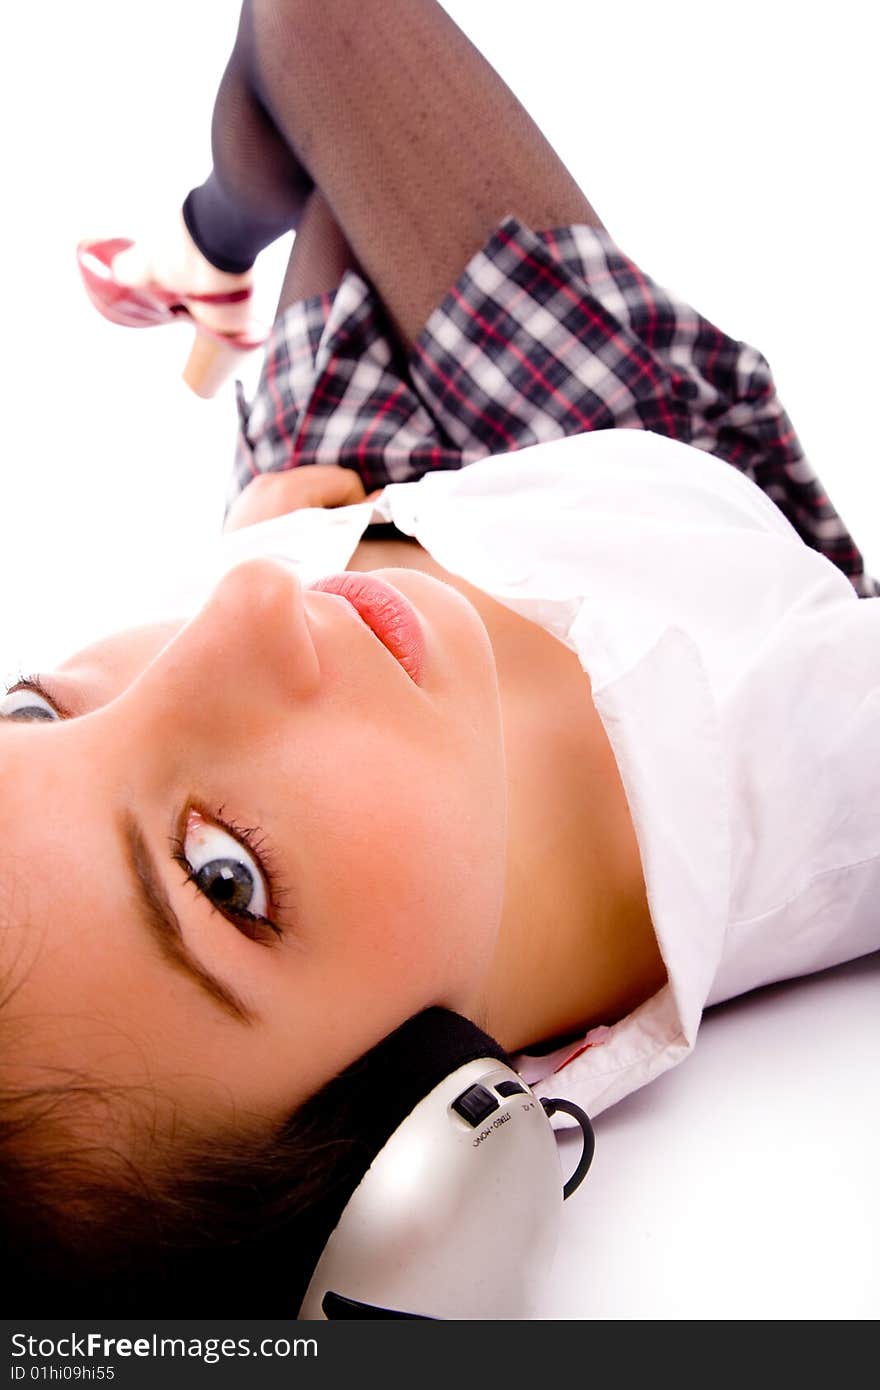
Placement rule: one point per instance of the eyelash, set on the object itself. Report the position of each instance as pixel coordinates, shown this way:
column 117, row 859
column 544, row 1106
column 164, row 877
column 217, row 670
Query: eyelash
column 265, row 858
column 250, row 836
column 23, row 682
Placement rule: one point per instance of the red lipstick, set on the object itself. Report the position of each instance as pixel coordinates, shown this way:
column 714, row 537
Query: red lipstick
column 385, row 610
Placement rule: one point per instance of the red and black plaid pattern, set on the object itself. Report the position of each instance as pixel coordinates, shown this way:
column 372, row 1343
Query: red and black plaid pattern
column 543, row 335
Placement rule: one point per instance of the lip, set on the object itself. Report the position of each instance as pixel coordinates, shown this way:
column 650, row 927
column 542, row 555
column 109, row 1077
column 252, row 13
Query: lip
column 386, row 612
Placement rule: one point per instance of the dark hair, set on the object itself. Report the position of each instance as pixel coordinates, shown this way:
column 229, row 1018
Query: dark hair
column 220, row 1226
column 223, row 1225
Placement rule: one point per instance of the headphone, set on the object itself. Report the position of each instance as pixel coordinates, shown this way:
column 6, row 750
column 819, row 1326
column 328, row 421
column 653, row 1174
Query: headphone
column 454, row 1210
column 439, row 1196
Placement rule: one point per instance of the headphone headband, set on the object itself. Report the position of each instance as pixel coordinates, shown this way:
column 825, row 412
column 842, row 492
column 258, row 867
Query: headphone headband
column 408, row 1063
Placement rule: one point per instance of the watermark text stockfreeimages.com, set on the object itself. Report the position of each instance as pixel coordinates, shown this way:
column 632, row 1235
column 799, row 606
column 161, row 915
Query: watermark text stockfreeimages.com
column 96, row 1347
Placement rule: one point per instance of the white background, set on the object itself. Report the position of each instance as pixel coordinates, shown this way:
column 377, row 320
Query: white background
column 732, row 152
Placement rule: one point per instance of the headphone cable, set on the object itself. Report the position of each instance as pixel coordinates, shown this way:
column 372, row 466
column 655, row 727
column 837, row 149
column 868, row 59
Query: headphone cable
column 569, row 1108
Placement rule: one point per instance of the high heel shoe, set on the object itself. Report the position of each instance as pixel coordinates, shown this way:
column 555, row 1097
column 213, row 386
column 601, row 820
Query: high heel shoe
column 213, row 355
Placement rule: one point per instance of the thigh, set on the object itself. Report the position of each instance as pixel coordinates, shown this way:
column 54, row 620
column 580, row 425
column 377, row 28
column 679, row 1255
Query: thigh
column 320, row 255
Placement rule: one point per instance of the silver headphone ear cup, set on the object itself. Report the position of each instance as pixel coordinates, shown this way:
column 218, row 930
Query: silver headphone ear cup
column 457, row 1214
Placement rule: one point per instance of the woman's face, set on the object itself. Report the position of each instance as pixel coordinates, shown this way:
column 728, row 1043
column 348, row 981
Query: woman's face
column 272, row 757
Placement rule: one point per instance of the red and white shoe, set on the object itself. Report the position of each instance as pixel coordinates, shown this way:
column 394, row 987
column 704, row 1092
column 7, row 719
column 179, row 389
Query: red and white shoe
column 215, row 352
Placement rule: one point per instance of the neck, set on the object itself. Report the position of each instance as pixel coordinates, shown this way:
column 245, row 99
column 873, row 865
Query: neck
column 576, row 945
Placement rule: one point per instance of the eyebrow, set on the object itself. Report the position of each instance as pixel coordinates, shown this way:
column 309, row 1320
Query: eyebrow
column 162, row 923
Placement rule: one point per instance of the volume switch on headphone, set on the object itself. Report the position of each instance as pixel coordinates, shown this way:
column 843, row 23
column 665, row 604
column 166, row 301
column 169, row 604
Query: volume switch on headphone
column 475, row 1104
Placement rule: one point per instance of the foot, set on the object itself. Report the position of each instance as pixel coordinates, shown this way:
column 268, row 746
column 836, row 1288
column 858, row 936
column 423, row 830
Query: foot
column 170, row 258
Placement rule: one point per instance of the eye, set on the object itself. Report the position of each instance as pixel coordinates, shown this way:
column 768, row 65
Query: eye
column 225, row 872
column 28, row 700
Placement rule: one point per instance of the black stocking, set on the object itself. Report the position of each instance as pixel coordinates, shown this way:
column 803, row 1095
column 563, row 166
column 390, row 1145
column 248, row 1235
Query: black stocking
column 417, row 146
column 257, row 188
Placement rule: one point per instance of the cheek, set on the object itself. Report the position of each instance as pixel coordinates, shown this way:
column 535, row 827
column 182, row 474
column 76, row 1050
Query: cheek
column 408, row 880
column 113, row 663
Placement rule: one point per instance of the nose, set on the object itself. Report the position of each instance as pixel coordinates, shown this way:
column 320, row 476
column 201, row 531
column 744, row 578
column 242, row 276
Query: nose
column 258, row 612
column 250, row 642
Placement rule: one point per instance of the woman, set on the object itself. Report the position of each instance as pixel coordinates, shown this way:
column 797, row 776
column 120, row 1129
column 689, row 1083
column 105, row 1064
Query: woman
column 579, row 876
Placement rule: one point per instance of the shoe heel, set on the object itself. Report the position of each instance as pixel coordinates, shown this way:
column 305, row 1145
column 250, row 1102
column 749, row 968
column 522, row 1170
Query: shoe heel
column 210, row 362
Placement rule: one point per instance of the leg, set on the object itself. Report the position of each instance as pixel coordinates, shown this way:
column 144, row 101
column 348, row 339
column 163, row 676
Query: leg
column 320, row 256
column 417, row 145
column 257, row 188
column 420, row 150
column 318, row 261
column 256, row 192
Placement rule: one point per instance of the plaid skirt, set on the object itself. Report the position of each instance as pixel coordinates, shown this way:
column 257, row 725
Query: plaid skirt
column 544, row 334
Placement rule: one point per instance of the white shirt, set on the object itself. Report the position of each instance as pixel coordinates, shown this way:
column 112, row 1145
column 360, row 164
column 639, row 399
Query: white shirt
column 737, row 677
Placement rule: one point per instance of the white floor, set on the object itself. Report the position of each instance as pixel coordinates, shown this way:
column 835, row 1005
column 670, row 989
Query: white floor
column 732, row 151
column 742, row 1184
